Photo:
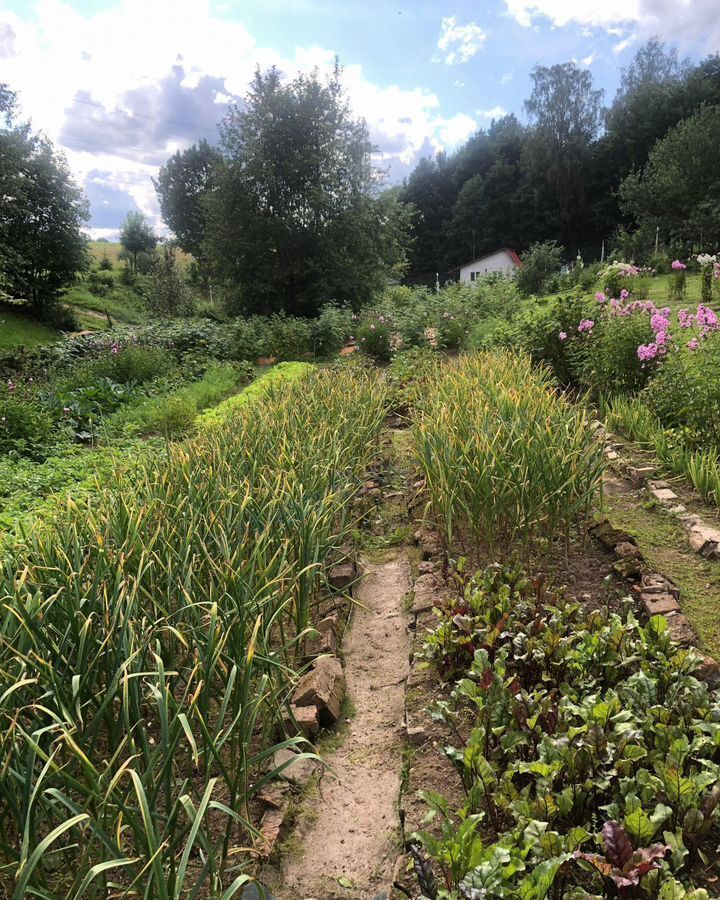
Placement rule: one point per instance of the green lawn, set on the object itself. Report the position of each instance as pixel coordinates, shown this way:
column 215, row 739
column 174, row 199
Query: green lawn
column 127, row 309
column 17, row 330
column 659, row 289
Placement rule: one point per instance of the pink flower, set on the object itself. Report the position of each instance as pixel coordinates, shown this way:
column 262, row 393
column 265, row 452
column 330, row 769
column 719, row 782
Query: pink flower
column 372, row 328
column 659, row 322
column 66, row 409
column 685, row 319
column 586, row 325
column 693, row 344
column 563, row 335
column 647, row 351
column 600, row 297
column 678, row 266
column 624, row 294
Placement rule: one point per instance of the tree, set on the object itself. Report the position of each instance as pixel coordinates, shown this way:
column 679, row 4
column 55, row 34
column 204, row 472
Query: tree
column 538, row 264
column 168, row 294
column 42, row 212
column 137, row 236
column 296, row 214
column 565, row 114
column 182, row 186
column 678, row 190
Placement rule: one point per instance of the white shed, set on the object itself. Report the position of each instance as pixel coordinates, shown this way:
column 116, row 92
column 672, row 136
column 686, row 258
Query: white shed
column 505, row 261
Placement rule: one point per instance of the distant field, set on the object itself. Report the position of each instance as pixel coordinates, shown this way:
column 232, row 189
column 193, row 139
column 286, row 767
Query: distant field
column 99, row 249
column 17, row 330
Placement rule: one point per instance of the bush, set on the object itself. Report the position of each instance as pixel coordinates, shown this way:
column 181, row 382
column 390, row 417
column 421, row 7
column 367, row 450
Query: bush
column 685, row 393
column 26, row 429
column 538, row 263
column 168, row 295
column 331, row 330
column 105, row 264
column 99, row 283
column 290, row 338
column 250, row 338
column 374, row 338
column 132, row 364
column 608, row 361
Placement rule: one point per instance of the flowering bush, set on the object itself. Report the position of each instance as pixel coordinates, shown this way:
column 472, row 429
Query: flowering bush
column 615, row 277
column 376, row 337
column 678, row 284
column 709, row 269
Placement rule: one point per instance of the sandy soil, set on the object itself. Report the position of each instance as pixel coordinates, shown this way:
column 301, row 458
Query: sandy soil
column 355, row 835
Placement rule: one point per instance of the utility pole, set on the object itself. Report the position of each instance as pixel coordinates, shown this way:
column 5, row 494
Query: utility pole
column 657, row 238
column 602, row 252
column 473, row 231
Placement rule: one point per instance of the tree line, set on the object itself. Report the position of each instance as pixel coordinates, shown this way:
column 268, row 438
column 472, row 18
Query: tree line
column 580, row 172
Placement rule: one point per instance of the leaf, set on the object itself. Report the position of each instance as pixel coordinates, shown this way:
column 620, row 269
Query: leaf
column 617, row 844
column 640, row 827
column 345, row 882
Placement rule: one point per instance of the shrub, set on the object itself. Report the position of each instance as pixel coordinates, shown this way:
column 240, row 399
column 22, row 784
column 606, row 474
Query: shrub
column 331, row 330
column 105, row 263
column 133, row 364
column 26, row 429
column 609, row 361
column 100, row 283
column 685, row 393
column 538, row 263
column 375, row 338
column 168, row 295
column 290, row 338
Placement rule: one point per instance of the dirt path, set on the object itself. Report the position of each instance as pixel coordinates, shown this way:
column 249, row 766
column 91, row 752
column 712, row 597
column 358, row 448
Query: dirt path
column 355, row 835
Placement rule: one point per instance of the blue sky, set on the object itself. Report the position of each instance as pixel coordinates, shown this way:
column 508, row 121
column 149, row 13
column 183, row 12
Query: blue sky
column 121, row 84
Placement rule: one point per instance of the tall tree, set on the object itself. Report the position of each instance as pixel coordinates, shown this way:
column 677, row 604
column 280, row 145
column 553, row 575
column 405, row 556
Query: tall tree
column 182, row 186
column 42, row 212
column 679, row 187
column 137, row 236
column 565, row 112
column 296, row 216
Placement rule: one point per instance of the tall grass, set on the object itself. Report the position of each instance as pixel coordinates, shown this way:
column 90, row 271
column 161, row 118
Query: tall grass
column 637, row 422
column 506, row 459
column 147, row 647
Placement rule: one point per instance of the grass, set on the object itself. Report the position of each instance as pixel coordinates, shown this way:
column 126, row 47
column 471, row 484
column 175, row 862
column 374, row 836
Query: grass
column 148, row 649
column 112, row 250
column 664, row 545
column 659, row 287
column 18, row 330
column 123, row 308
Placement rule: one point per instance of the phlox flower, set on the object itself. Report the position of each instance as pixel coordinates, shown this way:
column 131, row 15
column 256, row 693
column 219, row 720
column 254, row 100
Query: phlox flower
column 586, row 325
column 678, row 266
column 693, row 344
column 659, row 322
column 685, row 319
column 600, row 297
column 563, row 335
column 624, row 294
column 647, row 351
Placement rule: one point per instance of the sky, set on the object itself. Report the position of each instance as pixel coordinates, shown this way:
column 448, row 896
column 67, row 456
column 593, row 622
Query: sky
column 120, row 85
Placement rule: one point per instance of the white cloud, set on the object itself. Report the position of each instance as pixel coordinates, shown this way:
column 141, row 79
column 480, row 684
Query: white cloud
column 507, row 77
column 459, row 43
column 120, row 113
column 689, row 22
column 497, row 112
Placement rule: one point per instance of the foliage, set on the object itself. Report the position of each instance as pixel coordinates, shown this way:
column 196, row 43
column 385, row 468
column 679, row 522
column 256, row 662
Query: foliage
column 182, row 186
column 491, row 420
column 137, row 237
column 42, row 212
column 331, row 330
column 685, row 393
column 677, row 189
column 294, row 231
column 168, row 294
column 149, row 648
column 538, row 263
column 587, row 748
column 26, row 429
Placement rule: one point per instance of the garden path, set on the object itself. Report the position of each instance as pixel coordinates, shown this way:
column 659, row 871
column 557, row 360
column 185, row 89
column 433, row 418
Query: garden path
column 352, row 843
